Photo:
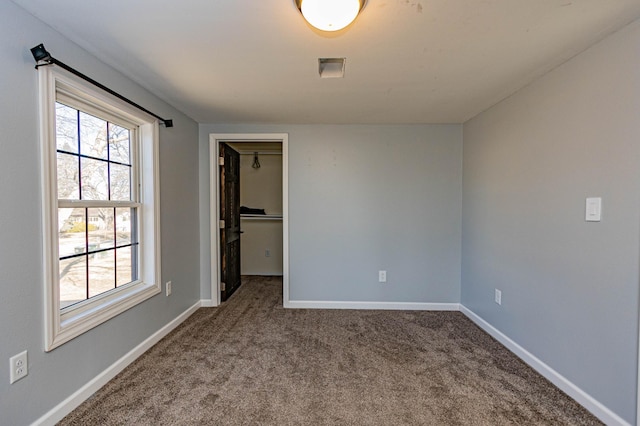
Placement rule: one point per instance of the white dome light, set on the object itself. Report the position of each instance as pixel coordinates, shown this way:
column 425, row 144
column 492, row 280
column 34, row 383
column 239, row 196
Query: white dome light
column 329, row 15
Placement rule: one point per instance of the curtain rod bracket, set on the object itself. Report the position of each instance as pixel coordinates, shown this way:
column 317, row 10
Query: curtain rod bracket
column 45, row 64
column 44, row 58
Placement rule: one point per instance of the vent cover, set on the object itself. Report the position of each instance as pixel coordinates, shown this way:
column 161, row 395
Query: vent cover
column 331, row 67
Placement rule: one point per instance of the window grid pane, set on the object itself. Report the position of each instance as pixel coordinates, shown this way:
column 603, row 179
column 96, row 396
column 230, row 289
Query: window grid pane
column 98, row 246
column 102, row 272
column 73, row 281
column 120, row 178
column 66, row 128
column 93, row 136
column 94, row 175
column 124, row 266
column 119, row 144
column 68, row 176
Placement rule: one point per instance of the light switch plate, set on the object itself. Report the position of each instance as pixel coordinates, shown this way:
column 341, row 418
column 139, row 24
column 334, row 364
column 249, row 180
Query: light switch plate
column 593, row 209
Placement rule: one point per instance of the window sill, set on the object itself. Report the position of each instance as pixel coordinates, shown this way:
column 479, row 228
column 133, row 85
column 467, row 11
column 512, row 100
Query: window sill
column 92, row 313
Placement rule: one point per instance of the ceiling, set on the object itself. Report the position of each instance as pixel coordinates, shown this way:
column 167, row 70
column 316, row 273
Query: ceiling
column 408, row 61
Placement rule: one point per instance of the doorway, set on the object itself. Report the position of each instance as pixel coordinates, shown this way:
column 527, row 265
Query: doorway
column 248, row 145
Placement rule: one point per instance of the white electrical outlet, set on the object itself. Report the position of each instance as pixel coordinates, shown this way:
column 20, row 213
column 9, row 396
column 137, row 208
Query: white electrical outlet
column 498, row 297
column 168, row 288
column 382, row 276
column 267, row 253
column 19, row 367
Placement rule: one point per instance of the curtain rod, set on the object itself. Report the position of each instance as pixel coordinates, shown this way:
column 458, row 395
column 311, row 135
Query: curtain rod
column 40, row 54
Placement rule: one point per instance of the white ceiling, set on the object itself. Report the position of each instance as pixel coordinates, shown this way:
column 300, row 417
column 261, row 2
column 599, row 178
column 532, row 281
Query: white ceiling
column 408, row 61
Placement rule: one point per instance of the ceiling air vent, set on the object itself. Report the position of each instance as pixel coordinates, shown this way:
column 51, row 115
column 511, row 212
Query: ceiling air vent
column 331, row 67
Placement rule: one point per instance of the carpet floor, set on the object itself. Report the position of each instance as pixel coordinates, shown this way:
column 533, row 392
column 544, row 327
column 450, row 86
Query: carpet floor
column 252, row 362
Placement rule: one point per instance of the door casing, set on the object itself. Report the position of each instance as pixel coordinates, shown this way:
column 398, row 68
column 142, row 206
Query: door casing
column 214, row 204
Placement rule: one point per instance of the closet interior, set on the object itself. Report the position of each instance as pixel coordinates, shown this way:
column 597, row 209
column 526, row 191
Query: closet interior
column 261, row 211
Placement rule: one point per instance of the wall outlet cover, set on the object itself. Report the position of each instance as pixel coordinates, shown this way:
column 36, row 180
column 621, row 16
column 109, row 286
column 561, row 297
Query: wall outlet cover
column 18, row 367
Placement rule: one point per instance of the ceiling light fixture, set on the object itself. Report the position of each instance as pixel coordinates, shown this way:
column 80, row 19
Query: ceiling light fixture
column 330, row 15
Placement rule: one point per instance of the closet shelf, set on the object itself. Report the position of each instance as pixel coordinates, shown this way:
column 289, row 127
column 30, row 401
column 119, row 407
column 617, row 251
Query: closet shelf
column 261, row 216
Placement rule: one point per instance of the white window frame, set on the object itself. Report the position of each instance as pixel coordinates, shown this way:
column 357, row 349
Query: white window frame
column 68, row 323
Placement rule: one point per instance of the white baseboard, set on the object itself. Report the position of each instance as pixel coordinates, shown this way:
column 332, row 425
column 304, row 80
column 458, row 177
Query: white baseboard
column 396, row 306
column 587, row 401
column 58, row 412
column 207, row 303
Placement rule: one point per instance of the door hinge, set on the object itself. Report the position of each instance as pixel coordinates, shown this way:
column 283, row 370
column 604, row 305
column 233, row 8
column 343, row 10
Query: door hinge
column 223, row 286
column 221, row 224
column 221, row 161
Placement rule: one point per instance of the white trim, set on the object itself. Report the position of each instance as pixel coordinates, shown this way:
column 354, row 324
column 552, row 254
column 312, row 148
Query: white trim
column 63, row 325
column 48, row 182
column 214, row 204
column 58, row 412
column 285, row 220
column 207, row 303
column 587, row 401
column 214, row 209
column 393, row 306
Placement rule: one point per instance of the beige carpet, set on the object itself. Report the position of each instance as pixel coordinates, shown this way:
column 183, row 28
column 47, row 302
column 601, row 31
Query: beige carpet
column 251, row 362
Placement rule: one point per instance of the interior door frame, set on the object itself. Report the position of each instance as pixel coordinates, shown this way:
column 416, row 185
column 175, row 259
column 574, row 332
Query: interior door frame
column 214, row 204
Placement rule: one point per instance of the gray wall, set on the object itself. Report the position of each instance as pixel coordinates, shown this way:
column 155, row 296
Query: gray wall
column 364, row 198
column 569, row 288
column 54, row 376
column 261, row 188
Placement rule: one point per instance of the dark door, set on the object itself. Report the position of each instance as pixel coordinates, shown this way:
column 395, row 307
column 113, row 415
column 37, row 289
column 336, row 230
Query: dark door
column 229, row 221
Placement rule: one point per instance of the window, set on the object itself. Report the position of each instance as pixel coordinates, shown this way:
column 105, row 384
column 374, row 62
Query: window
column 100, row 205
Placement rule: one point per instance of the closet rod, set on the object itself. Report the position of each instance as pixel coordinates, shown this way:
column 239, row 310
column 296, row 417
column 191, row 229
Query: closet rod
column 259, row 153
